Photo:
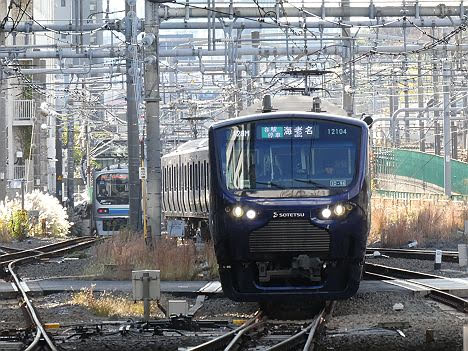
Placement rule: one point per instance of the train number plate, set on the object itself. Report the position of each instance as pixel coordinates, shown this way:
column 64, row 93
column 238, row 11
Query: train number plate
column 337, row 182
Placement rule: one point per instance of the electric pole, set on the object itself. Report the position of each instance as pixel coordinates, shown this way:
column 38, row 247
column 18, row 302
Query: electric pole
column 152, row 98
column 3, row 148
column 347, row 64
column 132, row 123
column 447, row 136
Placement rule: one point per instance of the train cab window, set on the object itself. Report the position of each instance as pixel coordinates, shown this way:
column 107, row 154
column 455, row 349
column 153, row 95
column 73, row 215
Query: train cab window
column 112, row 189
column 318, row 157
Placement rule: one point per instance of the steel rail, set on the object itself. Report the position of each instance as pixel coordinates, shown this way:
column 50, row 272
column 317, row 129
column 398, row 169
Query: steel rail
column 33, row 254
column 391, row 273
column 220, row 342
column 447, row 256
column 42, row 249
column 327, row 311
column 241, row 333
column 307, row 333
column 39, row 328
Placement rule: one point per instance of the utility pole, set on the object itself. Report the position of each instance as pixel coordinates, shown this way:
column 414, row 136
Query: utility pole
column 152, row 99
column 132, row 124
column 347, row 66
column 3, row 147
column 435, row 83
column 422, row 143
column 447, row 136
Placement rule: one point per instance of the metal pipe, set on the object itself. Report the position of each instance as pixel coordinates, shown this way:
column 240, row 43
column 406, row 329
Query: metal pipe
column 319, row 12
column 118, row 69
column 265, row 51
column 29, row 27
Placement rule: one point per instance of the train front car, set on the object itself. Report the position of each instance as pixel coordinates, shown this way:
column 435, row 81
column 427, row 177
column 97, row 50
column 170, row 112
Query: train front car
column 289, row 205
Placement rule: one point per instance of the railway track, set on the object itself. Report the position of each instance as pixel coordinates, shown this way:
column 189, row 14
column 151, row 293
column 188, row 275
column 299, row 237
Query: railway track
column 381, row 272
column 447, row 256
column 9, row 261
column 262, row 333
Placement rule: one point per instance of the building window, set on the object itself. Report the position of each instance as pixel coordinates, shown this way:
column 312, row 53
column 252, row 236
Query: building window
column 63, row 3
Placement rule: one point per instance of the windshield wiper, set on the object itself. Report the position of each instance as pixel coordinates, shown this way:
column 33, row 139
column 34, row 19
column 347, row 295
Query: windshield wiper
column 309, row 181
column 270, row 184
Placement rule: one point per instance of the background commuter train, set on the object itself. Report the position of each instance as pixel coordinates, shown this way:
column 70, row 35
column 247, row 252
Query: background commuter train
column 110, row 199
column 286, row 195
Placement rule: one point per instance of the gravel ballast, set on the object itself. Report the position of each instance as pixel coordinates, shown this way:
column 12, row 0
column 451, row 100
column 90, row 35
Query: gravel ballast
column 369, row 322
column 448, row 269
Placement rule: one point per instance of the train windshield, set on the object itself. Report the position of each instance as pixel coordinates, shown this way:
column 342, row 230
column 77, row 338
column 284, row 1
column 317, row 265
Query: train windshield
column 112, row 189
column 288, row 158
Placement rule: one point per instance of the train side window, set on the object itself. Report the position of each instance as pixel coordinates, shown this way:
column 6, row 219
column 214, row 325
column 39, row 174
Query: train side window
column 196, row 176
column 170, row 177
column 164, row 179
column 190, row 177
column 174, row 169
column 185, row 177
column 205, row 183
column 202, row 176
column 208, row 176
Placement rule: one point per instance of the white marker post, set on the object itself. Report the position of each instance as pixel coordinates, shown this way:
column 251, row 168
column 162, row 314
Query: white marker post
column 465, row 337
column 438, row 259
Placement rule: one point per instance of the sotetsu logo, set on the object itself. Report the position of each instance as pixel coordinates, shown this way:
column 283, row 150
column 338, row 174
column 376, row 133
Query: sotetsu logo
column 288, row 214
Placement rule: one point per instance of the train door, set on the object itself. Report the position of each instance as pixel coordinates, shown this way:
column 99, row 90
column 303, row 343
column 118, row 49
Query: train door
column 183, row 186
column 202, row 187
column 196, row 191
column 164, row 190
column 190, row 188
column 207, row 185
column 177, row 168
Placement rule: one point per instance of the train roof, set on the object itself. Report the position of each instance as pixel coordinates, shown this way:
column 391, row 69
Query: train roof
column 295, row 106
column 289, row 114
column 189, row 146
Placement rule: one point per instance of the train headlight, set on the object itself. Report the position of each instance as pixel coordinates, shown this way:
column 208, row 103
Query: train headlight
column 339, row 210
column 238, row 211
column 326, row 213
column 251, row 214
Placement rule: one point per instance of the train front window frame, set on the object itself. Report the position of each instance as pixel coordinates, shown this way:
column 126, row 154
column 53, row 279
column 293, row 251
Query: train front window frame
column 288, row 157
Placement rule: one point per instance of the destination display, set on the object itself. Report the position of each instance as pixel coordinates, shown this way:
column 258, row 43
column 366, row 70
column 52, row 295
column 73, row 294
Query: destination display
column 295, row 131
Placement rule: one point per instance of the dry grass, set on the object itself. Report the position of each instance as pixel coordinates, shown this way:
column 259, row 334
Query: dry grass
column 176, row 259
column 108, row 305
column 396, row 222
column 209, row 262
column 5, row 236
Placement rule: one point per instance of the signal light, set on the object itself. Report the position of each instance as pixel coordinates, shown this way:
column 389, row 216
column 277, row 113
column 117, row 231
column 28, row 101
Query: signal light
column 103, row 210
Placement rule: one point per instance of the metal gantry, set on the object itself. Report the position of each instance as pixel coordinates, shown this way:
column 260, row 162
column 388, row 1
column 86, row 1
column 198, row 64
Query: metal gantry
column 189, row 63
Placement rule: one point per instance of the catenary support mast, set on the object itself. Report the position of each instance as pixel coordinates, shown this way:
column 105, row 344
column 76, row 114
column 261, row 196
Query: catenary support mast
column 152, row 99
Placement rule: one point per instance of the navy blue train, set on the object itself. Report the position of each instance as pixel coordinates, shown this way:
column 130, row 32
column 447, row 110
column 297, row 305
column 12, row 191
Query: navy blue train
column 287, row 197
